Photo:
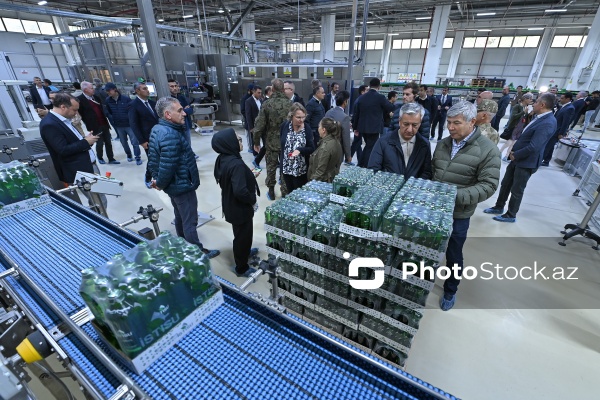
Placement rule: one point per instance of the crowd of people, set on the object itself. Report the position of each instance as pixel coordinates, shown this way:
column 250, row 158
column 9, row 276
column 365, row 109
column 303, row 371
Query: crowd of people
column 310, row 141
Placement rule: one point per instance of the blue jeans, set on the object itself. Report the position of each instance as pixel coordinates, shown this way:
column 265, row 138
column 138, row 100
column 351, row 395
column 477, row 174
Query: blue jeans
column 185, row 206
column 123, row 132
column 454, row 253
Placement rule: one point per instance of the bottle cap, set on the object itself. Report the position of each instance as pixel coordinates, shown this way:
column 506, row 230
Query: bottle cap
column 108, row 174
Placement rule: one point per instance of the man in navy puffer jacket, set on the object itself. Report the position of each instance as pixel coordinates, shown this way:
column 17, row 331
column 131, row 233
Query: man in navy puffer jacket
column 173, row 166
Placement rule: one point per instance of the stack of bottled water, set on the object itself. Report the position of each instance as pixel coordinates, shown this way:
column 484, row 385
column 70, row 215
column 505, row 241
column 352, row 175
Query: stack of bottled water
column 315, row 199
column 324, row 227
column 139, row 295
column 350, row 179
column 290, row 216
column 366, row 207
column 421, row 213
column 386, row 180
column 319, row 187
column 18, row 182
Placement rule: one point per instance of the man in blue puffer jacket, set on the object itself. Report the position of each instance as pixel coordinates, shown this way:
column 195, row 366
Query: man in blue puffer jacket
column 173, row 166
column 409, row 95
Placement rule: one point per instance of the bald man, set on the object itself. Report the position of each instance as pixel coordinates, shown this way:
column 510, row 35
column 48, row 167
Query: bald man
column 487, row 95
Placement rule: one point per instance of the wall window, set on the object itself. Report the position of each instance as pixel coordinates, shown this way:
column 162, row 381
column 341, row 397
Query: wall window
column 415, row 44
column 398, row 44
column 469, row 43
column 341, row 46
column 506, row 41
column 519, row 41
column 46, row 28
column 313, row 46
column 448, row 42
column 532, row 41
column 568, row 41
column 374, row 44
column 13, row 25
column 493, row 41
column 480, row 42
column 30, row 26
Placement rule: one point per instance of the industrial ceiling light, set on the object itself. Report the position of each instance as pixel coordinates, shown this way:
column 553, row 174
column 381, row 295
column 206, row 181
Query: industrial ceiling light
column 42, row 3
column 271, row 40
column 419, row 18
column 288, row 28
column 535, row 29
column 553, row 10
column 257, row 30
column 161, row 20
column 486, row 14
column 220, row 11
column 393, row 34
column 484, row 30
column 188, row 16
column 224, row 32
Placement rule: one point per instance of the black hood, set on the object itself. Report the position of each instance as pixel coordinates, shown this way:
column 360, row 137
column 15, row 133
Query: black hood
column 225, row 143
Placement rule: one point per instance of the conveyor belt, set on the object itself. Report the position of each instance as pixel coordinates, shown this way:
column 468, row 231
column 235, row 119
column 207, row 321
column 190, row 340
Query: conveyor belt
column 243, row 350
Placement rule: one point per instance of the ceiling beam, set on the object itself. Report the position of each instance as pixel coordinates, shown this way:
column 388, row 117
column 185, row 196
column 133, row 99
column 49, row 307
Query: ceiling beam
column 238, row 23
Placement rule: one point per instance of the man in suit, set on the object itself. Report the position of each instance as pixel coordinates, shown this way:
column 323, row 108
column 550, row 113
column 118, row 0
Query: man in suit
column 329, row 101
column 404, row 152
column 526, row 156
column 423, row 99
column 243, row 112
column 289, row 89
column 502, row 105
column 579, row 105
column 563, row 116
column 142, row 118
column 69, row 150
column 91, row 109
column 410, row 94
column 338, row 114
column 356, row 146
column 434, row 107
column 40, row 95
column 253, row 104
column 315, row 112
column 369, row 112
column 445, row 102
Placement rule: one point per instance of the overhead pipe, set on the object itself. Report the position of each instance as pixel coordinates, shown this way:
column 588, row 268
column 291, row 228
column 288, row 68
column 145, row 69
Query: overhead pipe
column 363, row 40
column 350, row 83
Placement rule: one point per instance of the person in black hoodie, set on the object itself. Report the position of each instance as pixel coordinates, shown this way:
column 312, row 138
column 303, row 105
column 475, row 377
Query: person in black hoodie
column 238, row 196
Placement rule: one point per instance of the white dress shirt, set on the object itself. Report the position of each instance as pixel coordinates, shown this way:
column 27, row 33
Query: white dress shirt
column 407, row 148
column 257, row 102
column 45, row 99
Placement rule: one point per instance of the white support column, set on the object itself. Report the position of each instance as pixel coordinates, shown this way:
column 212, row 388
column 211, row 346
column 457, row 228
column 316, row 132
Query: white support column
column 61, row 27
column 587, row 63
column 540, row 57
column 436, row 44
column 327, row 36
column 385, row 57
column 249, row 33
column 456, row 47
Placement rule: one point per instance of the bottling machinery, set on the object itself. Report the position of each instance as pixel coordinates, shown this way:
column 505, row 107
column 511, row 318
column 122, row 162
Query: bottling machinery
column 249, row 348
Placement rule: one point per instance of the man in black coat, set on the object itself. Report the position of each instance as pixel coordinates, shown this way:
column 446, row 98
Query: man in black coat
column 69, row 151
column 91, row 109
column 253, row 104
column 356, row 146
column 238, row 196
column 503, row 103
column 563, row 116
column 40, row 95
column 142, row 118
column 445, row 102
column 329, row 101
column 369, row 112
column 579, row 105
column 434, row 107
column 315, row 112
column 404, row 152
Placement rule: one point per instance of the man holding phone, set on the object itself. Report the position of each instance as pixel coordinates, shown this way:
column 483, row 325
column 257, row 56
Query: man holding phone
column 70, row 152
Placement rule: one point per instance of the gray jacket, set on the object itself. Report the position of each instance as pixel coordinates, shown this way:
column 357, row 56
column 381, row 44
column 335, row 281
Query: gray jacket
column 338, row 114
column 475, row 170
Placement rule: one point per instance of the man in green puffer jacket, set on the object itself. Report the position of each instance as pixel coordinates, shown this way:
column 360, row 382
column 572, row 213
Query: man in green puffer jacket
column 470, row 161
column 173, row 166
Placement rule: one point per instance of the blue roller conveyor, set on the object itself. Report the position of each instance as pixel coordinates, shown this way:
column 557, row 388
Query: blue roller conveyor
column 243, row 350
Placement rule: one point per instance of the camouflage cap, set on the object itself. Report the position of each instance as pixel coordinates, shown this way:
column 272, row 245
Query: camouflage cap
column 488, row 105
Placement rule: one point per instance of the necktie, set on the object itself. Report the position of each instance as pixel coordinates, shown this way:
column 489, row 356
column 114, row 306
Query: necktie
column 149, row 108
column 443, row 99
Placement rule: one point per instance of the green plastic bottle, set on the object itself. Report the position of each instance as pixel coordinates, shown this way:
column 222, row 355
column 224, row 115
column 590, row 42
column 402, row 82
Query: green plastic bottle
column 126, row 322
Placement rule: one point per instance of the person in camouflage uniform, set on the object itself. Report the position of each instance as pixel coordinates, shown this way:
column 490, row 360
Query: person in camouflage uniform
column 486, row 110
column 267, row 126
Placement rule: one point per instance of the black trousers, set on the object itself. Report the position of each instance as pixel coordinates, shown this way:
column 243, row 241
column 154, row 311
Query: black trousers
column 513, row 185
column 104, row 140
column 294, row 182
column 370, row 140
column 242, row 243
column 440, row 119
column 148, row 176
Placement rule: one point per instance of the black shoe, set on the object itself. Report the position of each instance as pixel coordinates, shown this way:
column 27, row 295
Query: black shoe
column 245, row 274
column 271, row 194
column 545, row 164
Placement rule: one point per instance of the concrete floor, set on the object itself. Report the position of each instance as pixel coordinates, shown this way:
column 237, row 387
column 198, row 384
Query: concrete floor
column 502, row 340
